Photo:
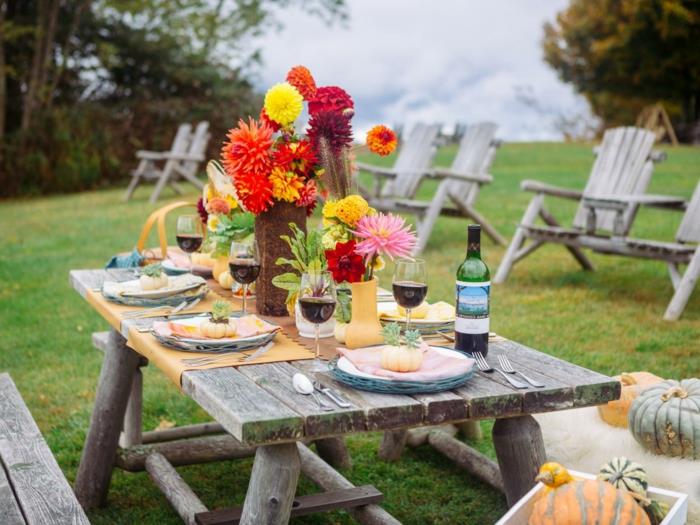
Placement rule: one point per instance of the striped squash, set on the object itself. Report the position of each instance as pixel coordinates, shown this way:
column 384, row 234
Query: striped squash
column 626, row 475
column 665, row 418
column 587, row 502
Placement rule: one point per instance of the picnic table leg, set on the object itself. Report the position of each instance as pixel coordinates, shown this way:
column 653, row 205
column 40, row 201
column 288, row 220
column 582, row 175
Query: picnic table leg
column 392, row 445
column 272, row 486
column 520, row 452
column 97, row 460
column 334, row 452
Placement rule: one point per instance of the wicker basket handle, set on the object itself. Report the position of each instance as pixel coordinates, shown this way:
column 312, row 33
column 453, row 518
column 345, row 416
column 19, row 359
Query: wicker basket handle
column 159, row 216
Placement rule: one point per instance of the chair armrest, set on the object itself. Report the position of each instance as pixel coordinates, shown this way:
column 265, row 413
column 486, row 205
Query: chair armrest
column 614, row 202
column 183, row 156
column 150, row 155
column 446, row 173
column 555, row 191
column 376, row 170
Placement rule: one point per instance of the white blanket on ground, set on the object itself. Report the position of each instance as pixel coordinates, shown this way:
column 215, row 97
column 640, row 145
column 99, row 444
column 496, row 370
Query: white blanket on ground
column 579, row 439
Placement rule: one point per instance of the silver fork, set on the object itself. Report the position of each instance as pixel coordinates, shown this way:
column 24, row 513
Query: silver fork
column 508, row 369
column 482, row 365
column 205, row 361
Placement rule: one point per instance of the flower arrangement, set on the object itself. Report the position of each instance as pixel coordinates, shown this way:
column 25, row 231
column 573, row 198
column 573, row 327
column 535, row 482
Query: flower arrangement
column 268, row 161
column 218, row 208
column 356, row 238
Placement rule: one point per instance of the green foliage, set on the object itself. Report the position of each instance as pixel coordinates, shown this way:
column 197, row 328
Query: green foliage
column 308, row 253
column 392, row 334
column 233, row 228
column 625, row 54
column 413, row 338
column 121, row 75
column 220, row 311
column 153, row 270
column 343, row 307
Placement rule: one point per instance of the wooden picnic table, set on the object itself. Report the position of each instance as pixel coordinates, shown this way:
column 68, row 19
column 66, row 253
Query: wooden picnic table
column 261, row 414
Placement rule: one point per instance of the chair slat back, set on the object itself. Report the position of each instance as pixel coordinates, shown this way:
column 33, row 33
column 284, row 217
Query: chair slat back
column 623, row 167
column 182, row 139
column 689, row 230
column 476, row 152
column 198, row 146
column 413, row 160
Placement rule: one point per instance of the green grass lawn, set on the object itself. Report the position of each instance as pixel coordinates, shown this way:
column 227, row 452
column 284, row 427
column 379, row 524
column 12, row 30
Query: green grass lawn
column 609, row 320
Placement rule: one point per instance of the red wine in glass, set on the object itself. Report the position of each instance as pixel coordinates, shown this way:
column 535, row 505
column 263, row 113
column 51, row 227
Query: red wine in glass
column 409, row 294
column 189, row 243
column 244, row 271
column 317, row 310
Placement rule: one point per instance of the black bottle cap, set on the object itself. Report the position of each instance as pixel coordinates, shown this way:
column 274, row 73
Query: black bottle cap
column 474, row 234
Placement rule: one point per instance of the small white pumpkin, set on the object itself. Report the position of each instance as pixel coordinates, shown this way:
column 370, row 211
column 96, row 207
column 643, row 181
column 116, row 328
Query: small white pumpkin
column 226, row 280
column 219, row 325
column 153, row 278
column 339, row 332
column 401, row 358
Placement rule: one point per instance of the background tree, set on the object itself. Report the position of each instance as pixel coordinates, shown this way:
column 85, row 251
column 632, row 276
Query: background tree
column 624, row 54
column 84, row 83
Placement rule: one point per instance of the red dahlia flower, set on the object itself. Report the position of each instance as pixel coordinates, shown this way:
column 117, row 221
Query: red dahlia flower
column 332, row 98
column 202, row 211
column 332, row 126
column 298, row 157
column 344, row 264
column 307, row 197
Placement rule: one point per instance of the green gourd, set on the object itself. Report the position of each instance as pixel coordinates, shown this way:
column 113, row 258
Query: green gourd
column 625, row 474
column 665, row 418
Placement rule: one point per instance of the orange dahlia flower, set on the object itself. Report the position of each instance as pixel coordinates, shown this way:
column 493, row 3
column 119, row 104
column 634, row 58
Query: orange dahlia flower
column 300, row 77
column 381, row 140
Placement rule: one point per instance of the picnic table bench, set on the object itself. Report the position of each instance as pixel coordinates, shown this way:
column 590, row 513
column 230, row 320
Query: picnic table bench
column 256, row 407
column 33, row 490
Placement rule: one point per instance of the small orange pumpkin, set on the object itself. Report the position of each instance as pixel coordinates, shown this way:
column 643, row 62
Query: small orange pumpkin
column 587, row 502
column 615, row 412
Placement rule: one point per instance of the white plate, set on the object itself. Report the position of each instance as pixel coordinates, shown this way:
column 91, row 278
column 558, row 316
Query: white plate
column 387, row 308
column 196, row 321
column 176, row 285
column 346, row 365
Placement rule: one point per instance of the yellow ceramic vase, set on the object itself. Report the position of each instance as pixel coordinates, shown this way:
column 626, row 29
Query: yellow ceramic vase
column 364, row 329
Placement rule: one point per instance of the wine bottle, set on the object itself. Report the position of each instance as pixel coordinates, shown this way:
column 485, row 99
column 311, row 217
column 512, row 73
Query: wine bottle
column 472, row 298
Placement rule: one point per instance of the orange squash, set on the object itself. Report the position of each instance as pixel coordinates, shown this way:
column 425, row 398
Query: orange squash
column 615, row 412
column 587, row 502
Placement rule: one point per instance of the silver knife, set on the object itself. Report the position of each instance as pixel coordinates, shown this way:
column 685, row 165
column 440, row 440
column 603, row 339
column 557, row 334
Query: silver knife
column 332, row 395
column 260, row 351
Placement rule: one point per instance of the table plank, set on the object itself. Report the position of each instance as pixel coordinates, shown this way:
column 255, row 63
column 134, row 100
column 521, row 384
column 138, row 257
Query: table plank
column 9, row 508
column 381, row 411
column 488, row 399
column 589, row 387
column 37, row 481
column 246, row 411
column 442, row 407
column 276, row 378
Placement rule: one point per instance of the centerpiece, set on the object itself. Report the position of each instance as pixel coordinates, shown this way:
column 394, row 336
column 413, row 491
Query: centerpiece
column 278, row 173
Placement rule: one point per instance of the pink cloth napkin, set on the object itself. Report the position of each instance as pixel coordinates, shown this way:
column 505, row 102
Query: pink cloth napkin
column 181, row 260
column 247, row 326
column 435, row 364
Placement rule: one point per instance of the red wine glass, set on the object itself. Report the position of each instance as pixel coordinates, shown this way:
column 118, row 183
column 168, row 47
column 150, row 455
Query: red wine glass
column 410, row 285
column 244, row 265
column 317, row 300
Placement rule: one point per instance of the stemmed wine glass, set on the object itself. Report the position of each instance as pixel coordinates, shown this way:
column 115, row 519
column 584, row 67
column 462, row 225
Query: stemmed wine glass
column 410, row 285
column 244, row 264
column 317, row 299
column 190, row 234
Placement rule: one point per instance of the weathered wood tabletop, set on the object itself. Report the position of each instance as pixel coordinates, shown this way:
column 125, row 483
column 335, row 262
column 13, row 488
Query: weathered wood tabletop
column 257, row 405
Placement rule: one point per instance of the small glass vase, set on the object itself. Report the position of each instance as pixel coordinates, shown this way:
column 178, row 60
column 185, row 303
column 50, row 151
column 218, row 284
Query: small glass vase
column 364, row 328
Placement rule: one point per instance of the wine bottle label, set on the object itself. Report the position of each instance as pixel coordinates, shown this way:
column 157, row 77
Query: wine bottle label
column 472, row 300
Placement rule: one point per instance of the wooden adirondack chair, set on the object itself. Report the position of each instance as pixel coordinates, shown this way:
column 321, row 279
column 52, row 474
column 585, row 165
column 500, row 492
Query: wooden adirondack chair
column 182, row 161
column 685, row 251
column 622, row 169
column 460, row 184
column 412, row 162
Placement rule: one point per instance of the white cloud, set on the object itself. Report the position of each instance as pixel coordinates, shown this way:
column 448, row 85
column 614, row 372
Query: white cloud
column 438, row 61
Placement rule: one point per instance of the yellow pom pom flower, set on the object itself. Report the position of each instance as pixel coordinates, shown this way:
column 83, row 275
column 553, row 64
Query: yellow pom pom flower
column 351, row 209
column 283, row 103
column 212, row 222
column 285, row 185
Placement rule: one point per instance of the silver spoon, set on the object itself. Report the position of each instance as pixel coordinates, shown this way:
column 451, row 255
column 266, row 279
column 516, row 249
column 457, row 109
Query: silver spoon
column 304, row 386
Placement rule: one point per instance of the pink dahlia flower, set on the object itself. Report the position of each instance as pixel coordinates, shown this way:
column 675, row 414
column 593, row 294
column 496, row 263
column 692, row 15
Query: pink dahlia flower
column 384, row 234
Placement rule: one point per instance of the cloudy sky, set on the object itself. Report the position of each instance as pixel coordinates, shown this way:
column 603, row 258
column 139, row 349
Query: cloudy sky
column 440, row 60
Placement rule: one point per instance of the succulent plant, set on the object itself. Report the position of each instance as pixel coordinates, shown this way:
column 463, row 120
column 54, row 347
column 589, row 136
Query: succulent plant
column 220, row 312
column 153, row 270
column 412, row 338
column 392, row 334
